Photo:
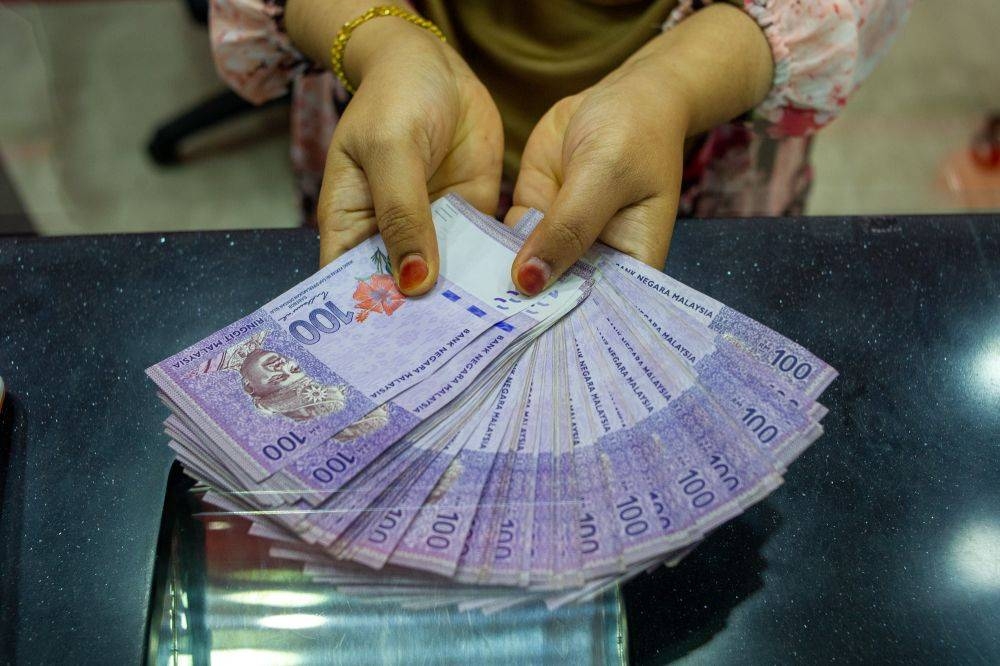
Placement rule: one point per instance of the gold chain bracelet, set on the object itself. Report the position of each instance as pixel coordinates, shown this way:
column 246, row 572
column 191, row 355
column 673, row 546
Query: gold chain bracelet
column 337, row 51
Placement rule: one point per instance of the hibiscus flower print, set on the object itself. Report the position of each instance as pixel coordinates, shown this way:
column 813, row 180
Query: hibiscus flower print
column 378, row 294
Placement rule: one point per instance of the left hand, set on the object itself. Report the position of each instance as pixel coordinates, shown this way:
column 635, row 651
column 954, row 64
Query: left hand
column 603, row 164
column 607, row 163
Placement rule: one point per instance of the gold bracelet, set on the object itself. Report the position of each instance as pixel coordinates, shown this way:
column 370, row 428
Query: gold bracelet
column 337, row 51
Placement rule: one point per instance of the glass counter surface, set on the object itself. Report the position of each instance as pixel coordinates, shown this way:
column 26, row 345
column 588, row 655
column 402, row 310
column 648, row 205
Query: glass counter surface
column 883, row 544
column 222, row 596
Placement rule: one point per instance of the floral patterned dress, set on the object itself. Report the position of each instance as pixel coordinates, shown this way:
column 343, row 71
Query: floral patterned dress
column 756, row 166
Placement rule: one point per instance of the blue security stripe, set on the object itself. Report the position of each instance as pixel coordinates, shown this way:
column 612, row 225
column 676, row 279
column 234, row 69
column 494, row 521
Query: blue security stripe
column 450, row 295
column 476, row 311
column 504, row 326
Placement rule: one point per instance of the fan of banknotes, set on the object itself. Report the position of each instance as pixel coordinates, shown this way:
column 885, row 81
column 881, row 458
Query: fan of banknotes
column 481, row 445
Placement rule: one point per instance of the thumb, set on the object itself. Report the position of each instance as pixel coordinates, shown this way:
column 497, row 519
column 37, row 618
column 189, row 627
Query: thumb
column 581, row 209
column 396, row 179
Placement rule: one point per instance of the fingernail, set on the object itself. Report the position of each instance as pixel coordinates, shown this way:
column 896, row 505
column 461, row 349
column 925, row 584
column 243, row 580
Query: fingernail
column 412, row 271
column 533, row 275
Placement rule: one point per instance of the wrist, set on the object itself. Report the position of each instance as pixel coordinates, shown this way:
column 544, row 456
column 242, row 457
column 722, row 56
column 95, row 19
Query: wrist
column 313, row 26
column 656, row 94
column 716, row 65
column 387, row 39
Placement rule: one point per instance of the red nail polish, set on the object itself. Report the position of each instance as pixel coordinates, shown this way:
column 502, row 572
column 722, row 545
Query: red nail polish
column 533, row 275
column 412, row 271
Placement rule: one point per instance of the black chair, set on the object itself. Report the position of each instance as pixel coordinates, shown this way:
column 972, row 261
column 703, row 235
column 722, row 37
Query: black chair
column 164, row 146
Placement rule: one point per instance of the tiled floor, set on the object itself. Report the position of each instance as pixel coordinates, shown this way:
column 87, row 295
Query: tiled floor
column 86, row 82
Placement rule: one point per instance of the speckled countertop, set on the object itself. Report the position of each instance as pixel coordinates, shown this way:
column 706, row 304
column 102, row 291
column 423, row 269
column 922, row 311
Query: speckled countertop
column 883, row 544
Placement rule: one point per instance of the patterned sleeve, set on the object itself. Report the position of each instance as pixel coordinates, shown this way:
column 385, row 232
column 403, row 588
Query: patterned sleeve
column 822, row 49
column 253, row 53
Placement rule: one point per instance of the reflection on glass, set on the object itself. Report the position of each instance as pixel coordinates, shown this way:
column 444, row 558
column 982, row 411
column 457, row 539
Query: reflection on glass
column 277, row 598
column 987, row 369
column 976, row 556
column 254, row 657
column 292, row 621
column 224, row 597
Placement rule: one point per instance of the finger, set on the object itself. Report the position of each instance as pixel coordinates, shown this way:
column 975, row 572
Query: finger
column 585, row 203
column 472, row 170
column 343, row 212
column 482, row 193
column 643, row 230
column 398, row 183
column 536, row 187
column 537, row 178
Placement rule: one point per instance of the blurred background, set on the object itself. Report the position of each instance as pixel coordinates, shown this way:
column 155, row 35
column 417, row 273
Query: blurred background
column 86, row 83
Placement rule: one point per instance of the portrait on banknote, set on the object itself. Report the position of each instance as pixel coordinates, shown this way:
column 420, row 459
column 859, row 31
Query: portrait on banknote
column 276, row 384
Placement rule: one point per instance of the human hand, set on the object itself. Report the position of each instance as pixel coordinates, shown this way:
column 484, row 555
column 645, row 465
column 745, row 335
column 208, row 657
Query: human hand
column 420, row 125
column 607, row 163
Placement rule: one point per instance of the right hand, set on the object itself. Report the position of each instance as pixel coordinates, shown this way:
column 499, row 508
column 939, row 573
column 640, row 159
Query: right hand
column 420, row 125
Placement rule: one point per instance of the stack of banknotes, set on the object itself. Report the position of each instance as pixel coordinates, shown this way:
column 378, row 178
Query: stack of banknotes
column 481, row 445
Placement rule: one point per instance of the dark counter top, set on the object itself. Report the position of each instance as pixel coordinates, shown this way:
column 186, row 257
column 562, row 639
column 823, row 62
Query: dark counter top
column 883, row 544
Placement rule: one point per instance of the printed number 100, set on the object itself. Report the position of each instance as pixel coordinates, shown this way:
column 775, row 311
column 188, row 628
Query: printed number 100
column 321, row 320
column 630, row 513
column 790, row 363
column 444, row 527
column 285, row 444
